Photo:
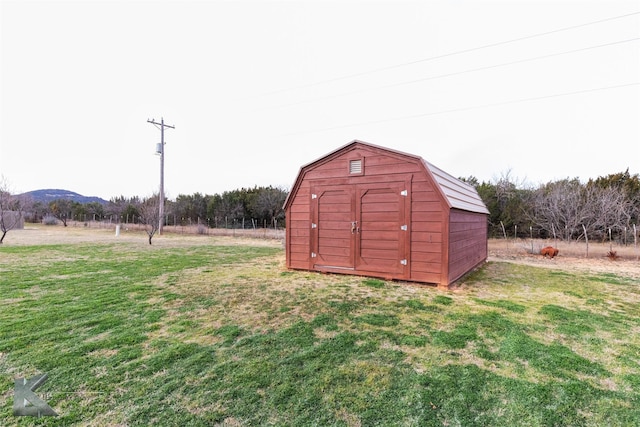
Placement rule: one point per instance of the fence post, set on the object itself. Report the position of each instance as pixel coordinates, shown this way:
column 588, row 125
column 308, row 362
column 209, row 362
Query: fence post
column 610, row 243
column 635, row 240
column 586, row 238
column 531, row 233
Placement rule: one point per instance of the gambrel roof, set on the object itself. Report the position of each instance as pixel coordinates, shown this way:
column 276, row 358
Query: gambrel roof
column 457, row 193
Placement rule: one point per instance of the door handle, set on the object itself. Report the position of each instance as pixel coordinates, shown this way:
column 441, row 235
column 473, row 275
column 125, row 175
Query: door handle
column 354, row 227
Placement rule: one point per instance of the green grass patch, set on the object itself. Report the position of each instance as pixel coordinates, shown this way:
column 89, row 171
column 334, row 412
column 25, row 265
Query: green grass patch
column 379, row 319
column 457, row 338
column 505, row 304
column 220, row 334
column 440, row 299
column 374, row 283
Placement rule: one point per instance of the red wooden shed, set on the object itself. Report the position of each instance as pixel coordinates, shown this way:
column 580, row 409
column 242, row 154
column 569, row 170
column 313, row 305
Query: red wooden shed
column 371, row 211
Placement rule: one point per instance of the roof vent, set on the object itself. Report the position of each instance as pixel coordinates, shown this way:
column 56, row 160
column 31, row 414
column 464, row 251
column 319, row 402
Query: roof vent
column 355, row 166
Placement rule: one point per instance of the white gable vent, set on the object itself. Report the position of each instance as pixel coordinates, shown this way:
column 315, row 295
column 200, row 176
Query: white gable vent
column 355, row 166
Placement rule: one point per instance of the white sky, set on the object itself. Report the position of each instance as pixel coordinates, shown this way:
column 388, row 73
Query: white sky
column 256, row 89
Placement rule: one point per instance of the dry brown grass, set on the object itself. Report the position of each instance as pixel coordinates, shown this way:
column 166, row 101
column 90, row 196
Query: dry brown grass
column 572, row 257
column 38, row 234
column 568, row 249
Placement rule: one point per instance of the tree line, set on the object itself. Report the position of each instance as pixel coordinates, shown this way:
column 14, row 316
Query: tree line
column 603, row 208
column 244, row 207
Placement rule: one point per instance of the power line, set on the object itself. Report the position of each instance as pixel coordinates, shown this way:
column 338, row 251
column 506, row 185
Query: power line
column 461, row 109
column 459, row 52
column 455, row 73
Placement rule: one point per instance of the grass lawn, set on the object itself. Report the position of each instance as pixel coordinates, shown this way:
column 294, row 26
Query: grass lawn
column 221, row 334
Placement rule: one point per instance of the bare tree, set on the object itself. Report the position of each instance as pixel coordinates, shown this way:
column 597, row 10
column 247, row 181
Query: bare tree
column 61, row 209
column 268, row 203
column 573, row 210
column 11, row 209
column 506, row 198
column 609, row 209
column 120, row 208
column 506, row 188
column 150, row 215
column 558, row 207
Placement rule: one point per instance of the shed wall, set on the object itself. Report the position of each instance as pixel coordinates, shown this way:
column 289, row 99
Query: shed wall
column 298, row 228
column 424, row 217
column 427, row 230
column 467, row 242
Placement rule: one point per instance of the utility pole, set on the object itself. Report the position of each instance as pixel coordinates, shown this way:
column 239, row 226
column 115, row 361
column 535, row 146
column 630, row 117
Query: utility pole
column 160, row 151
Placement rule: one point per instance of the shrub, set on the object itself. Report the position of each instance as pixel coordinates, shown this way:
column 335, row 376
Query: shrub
column 50, row 220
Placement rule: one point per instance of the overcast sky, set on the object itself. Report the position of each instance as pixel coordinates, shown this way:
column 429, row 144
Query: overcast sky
column 256, row 89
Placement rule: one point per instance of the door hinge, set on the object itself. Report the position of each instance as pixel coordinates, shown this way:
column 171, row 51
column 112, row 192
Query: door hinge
column 314, row 225
column 403, row 261
column 403, row 227
column 314, row 196
column 404, row 193
column 313, row 254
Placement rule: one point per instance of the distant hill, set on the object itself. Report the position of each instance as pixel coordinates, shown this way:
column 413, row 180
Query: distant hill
column 49, row 195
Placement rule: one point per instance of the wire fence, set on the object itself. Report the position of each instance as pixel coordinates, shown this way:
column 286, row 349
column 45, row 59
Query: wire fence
column 275, row 233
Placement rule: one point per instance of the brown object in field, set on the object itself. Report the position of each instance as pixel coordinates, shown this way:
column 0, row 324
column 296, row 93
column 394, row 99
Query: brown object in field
column 549, row 251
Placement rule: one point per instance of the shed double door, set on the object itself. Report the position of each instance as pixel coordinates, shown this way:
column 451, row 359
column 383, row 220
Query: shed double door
column 360, row 227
